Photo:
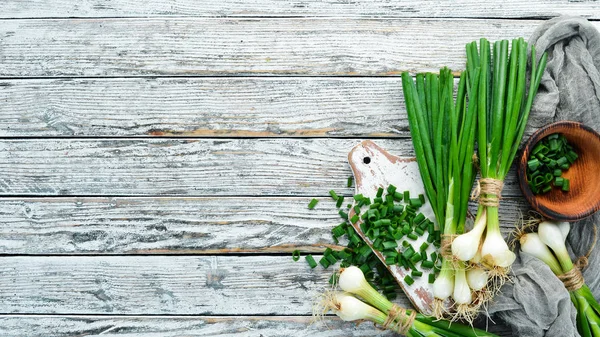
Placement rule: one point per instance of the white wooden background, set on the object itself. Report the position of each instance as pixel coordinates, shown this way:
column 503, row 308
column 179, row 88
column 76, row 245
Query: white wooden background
column 157, row 156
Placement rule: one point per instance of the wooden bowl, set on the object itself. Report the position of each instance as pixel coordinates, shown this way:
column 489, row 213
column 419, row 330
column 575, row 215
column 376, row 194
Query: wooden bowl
column 583, row 199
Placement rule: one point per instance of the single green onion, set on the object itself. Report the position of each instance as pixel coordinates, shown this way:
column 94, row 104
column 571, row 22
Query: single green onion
column 296, row 255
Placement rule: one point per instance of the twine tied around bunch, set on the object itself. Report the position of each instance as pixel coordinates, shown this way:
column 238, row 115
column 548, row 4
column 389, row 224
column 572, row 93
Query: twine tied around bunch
column 446, row 245
column 488, row 192
column 573, row 279
column 398, row 315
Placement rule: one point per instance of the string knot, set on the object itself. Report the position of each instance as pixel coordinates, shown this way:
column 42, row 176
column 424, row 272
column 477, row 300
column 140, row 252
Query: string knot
column 446, row 245
column 488, row 191
column 402, row 323
column 573, row 279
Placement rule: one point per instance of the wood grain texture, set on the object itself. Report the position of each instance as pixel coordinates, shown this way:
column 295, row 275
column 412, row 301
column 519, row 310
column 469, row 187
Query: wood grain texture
column 206, row 107
column 379, row 8
column 38, row 226
column 161, row 285
column 204, row 47
column 244, row 326
column 192, row 167
column 217, row 326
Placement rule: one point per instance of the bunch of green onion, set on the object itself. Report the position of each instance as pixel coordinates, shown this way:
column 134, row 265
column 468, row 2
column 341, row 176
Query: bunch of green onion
column 443, row 134
column 548, row 245
column 376, row 308
column 503, row 106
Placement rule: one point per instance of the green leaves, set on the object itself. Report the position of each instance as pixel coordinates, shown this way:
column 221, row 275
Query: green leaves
column 503, row 103
column 443, row 132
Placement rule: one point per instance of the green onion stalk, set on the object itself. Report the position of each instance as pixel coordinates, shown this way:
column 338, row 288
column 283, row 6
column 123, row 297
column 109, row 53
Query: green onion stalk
column 376, row 308
column 503, row 107
column 443, row 135
column 548, row 245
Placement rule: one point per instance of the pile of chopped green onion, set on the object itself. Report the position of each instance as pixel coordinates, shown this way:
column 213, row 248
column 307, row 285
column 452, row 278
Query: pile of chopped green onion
column 549, row 159
column 391, row 217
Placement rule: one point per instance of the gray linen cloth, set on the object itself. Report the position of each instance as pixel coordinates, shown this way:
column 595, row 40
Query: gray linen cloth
column 536, row 303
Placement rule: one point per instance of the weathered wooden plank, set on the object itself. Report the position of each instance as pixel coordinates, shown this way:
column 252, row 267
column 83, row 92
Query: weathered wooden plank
column 206, row 107
column 223, row 326
column 379, row 8
column 204, row 47
column 192, row 167
column 161, row 285
column 176, row 225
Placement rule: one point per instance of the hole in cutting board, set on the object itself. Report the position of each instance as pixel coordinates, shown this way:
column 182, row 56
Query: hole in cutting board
column 367, row 160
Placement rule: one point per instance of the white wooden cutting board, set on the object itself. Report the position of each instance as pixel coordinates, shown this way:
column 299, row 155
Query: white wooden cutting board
column 373, row 167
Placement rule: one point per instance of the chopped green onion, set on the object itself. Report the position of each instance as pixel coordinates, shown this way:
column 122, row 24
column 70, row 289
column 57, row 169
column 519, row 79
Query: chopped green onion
column 566, row 185
column 340, row 201
column 296, row 255
column 313, row 203
column 331, row 259
column 415, row 202
column 324, row 262
column 533, row 164
column 409, row 280
column 333, row 195
column 416, row 258
column 390, row 244
column 559, row 181
column 350, row 180
column 408, row 252
column 431, row 278
column 427, row 264
column 310, row 260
